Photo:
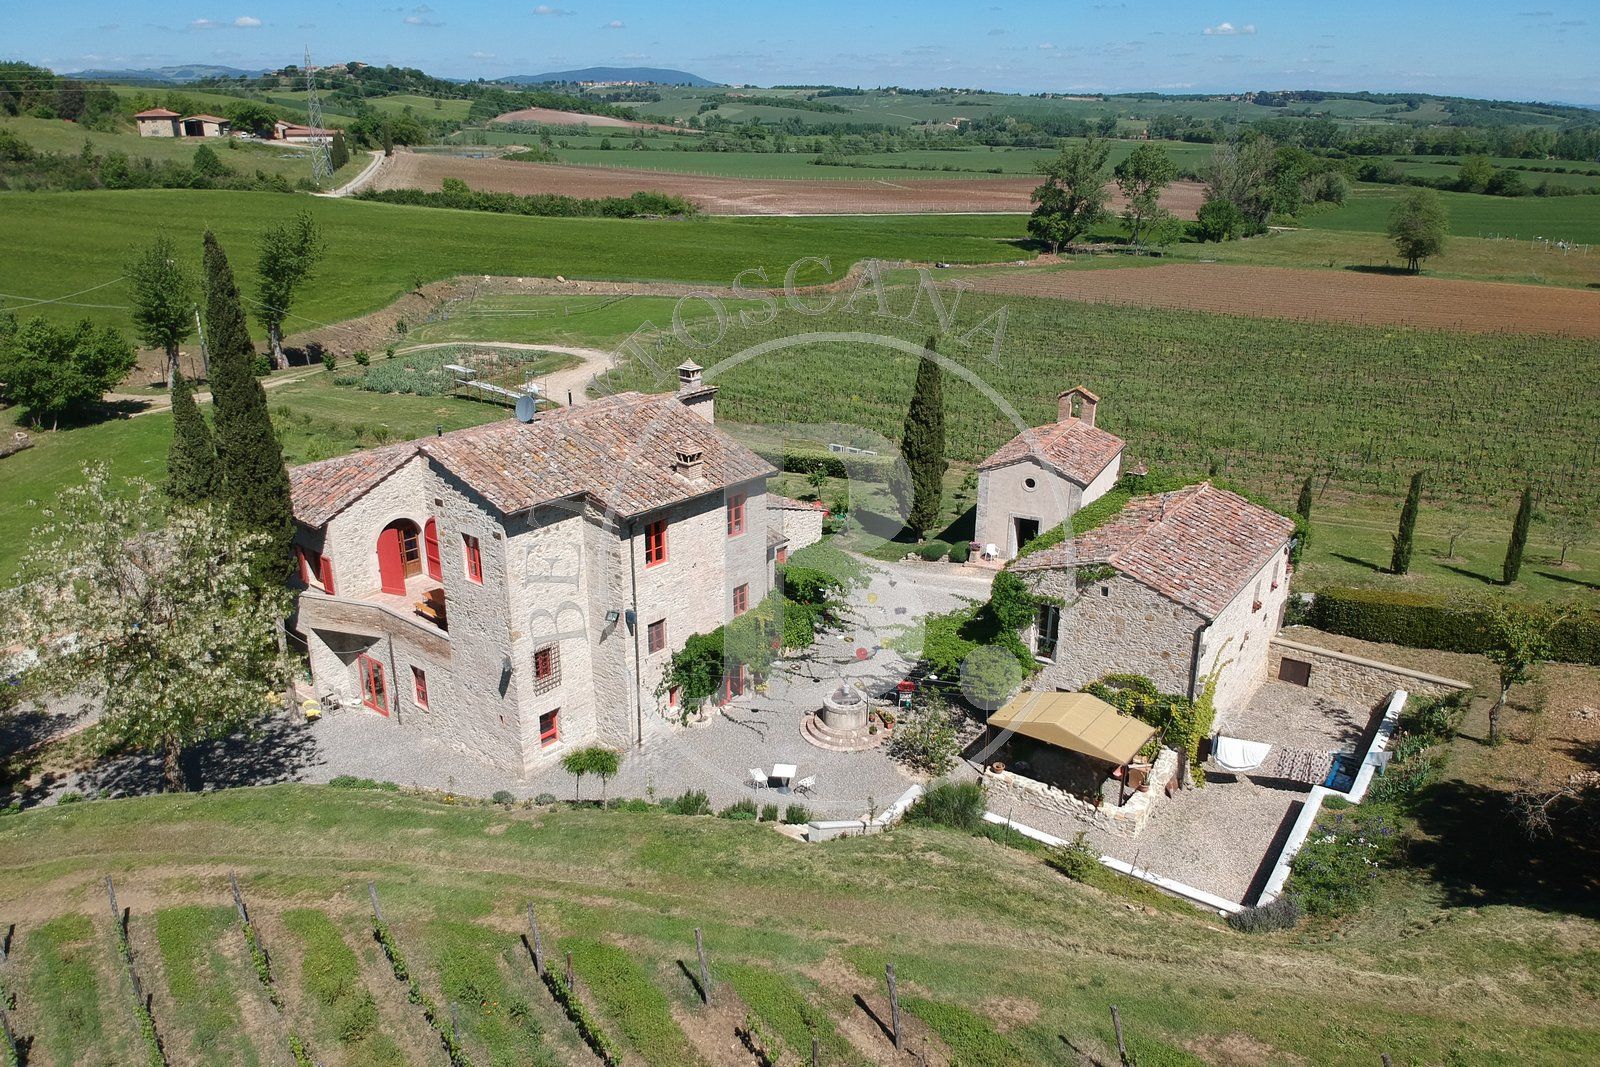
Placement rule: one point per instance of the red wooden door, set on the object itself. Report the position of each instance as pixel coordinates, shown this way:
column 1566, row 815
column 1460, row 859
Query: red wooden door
column 430, row 549
column 391, row 567
column 374, row 694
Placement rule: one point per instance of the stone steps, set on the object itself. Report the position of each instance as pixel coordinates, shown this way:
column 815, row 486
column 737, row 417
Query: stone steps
column 818, row 733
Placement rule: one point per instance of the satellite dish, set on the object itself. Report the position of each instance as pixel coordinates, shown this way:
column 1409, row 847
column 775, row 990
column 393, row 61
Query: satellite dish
column 526, row 406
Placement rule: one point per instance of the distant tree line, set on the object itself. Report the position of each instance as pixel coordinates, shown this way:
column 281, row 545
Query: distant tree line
column 24, row 169
column 456, row 194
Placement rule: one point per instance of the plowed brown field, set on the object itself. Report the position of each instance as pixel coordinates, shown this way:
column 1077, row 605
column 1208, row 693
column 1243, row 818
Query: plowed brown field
column 742, row 196
column 1321, row 296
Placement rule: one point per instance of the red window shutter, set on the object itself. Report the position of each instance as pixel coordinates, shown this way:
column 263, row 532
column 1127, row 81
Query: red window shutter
column 655, row 543
column 550, row 728
column 430, row 548
column 474, row 558
column 300, row 558
column 391, row 568
column 419, row 680
column 736, row 515
column 327, row 575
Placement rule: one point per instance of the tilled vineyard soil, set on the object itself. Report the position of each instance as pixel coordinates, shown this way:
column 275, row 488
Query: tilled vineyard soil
column 1320, row 296
column 744, row 196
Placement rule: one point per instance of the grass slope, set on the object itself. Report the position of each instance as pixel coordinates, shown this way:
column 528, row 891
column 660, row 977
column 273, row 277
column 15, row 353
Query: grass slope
column 994, row 950
column 1524, row 218
column 61, row 243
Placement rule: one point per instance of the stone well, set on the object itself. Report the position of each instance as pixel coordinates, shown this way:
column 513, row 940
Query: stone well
column 843, row 723
column 845, row 709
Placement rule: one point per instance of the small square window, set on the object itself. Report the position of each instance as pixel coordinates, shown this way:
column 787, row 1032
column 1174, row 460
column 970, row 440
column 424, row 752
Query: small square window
column 474, row 558
column 546, row 669
column 549, row 728
column 656, row 636
column 419, row 685
column 741, row 599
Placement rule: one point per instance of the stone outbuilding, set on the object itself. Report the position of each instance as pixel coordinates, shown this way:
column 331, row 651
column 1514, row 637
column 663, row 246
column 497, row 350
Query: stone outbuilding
column 158, row 122
column 1175, row 586
column 1041, row 477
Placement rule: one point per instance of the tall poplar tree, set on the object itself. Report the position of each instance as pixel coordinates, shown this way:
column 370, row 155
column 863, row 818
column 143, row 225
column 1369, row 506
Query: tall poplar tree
column 289, row 251
column 163, row 299
column 1405, row 538
column 192, row 455
column 1519, row 538
column 255, row 485
column 922, row 444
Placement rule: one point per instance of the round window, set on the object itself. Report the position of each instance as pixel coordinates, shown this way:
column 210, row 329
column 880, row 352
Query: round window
column 1029, row 484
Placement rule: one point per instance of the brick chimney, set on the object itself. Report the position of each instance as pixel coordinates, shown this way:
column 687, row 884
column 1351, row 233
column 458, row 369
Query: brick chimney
column 690, row 461
column 693, row 393
column 1086, row 403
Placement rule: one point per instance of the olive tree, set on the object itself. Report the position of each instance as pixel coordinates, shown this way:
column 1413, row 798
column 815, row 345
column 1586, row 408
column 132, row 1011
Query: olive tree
column 153, row 615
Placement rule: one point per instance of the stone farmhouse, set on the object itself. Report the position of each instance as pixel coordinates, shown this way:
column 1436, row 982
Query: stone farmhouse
column 1040, row 478
column 1177, row 585
column 518, row 588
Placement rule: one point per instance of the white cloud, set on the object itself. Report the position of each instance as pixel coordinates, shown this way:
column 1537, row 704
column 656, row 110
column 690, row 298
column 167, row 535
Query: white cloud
column 205, row 24
column 1228, row 29
column 614, row 24
column 550, row 12
column 247, row 22
column 1046, row 46
column 421, row 20
column 481, row 56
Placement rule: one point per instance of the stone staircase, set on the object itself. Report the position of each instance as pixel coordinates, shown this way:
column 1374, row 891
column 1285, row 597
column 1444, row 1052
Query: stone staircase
column 820, row 734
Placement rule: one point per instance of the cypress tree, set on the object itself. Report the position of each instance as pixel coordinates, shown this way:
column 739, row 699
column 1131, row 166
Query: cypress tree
column 192, row 456
column 1519, row 538
column 254, row 483
column 922, row 444
column 1302, row 508
column 1405, row 539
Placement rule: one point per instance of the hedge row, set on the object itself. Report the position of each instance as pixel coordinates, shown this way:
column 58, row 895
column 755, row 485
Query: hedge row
column 1417, row 620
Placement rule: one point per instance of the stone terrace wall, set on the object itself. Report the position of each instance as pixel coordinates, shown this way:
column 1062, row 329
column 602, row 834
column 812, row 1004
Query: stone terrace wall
column 1009, row 791
column 1364, row 682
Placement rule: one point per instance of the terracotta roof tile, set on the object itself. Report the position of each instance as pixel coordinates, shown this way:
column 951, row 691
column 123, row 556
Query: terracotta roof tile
column 157, row 113
column 1197, row 546
column 789, row 503
column 620, row 451
column 1073, row 447
column 320, row 491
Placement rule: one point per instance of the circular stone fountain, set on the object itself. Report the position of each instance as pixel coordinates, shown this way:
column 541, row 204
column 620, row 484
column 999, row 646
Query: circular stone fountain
column 843, row 724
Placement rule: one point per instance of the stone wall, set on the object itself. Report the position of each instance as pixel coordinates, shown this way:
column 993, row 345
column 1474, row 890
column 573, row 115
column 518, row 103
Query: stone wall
column 1363, row 682
column 1239, row 636
column 1115, row 626
column 1003, row 495
column 1010, row 792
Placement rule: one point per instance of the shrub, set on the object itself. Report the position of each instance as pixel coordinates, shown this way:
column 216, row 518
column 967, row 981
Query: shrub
column 1336, row 870
column 740, row 808
column 1435, row 718
column 933, row 551
column 1075, row 860
column 796, row 815
column 504, row 797
column 769, row 813
column 926, row 738
column 71, row 796
column 329, row 360
column 261, row 365
column 1417, row 620
column 1282, row 914
column 362, row 359
column 545, row 799
column 959, row 552
column 955, row 804
column 690, row 802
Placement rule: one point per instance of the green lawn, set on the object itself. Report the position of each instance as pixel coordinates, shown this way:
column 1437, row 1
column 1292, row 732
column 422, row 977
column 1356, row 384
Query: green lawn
column 203, row 983
column 338, row 1010
column 1523, row 218
column 60, row 243
column 60, row 975
column 994, row 951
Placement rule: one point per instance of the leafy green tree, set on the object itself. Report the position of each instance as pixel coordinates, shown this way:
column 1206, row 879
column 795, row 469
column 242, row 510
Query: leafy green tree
column 1520, row 641
column 1418, row 227
column 252, row 116
column 1505, row 182
column 1244, row 173
column 192, row 456
column 1475, row 174
column 989, row 675
column 1519, row 538
column 599, row 761
column 51, row 370
column 255, row 484
column 1405, row 538
column 207, row 164
column 1073, row 196
column 1218, row 220
column 289, row 252
column 923, row 444
column 163, row 295
column 170, row 633
column 1141, row 177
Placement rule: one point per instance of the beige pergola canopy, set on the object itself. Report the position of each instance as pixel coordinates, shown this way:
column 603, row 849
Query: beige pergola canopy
column 1076, row 721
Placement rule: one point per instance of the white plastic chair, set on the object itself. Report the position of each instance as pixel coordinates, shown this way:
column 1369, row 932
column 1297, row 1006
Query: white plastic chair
column 991, row 550
column 758, row 778
column 806, row 785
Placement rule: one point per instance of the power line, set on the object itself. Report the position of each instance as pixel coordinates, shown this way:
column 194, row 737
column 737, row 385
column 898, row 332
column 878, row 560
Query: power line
column 33, row 301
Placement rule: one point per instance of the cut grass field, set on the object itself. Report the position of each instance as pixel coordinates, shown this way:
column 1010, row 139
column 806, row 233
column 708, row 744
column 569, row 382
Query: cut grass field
column 203, row 982
column 62, row 243
column 339, row 1009
column 1524, row 218
column 75, row 1013
column 996, row 954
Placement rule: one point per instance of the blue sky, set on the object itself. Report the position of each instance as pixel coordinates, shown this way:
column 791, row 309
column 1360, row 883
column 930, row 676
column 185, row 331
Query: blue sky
column 1527, row 49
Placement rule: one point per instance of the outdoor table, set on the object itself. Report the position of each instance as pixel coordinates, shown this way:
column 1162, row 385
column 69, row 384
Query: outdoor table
column 783, row 774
